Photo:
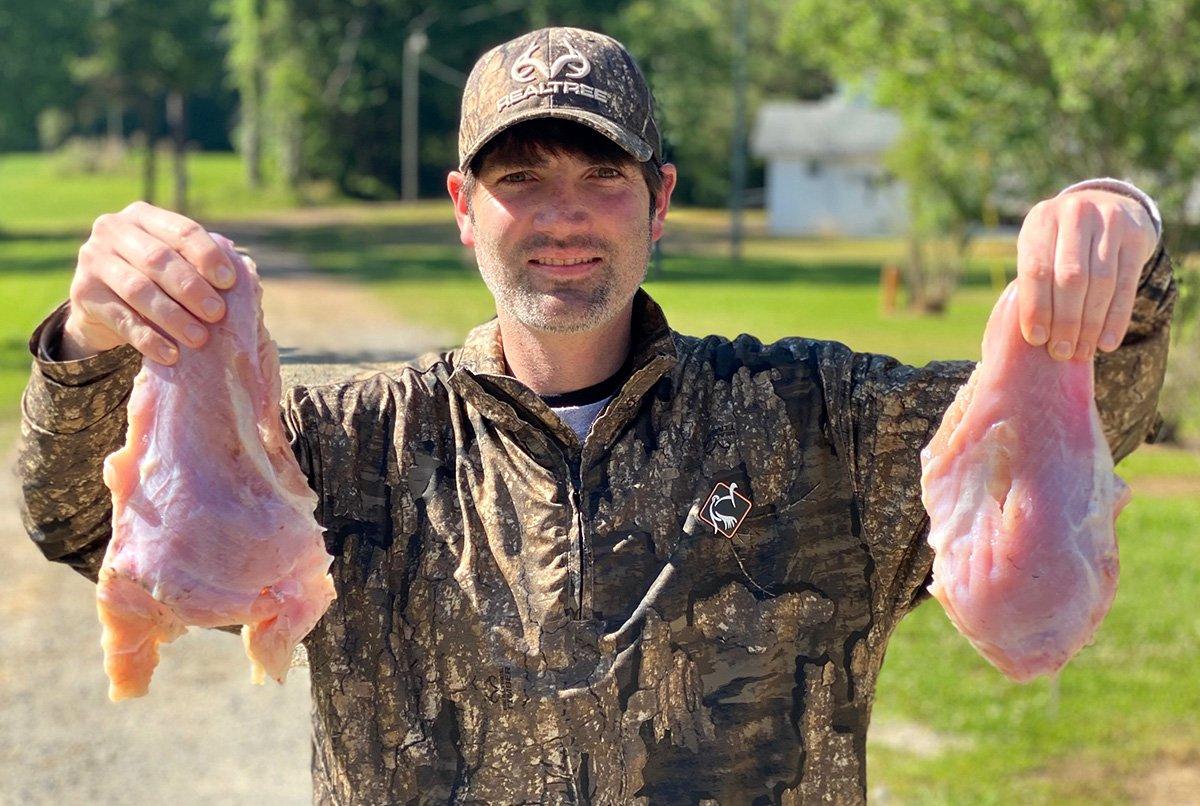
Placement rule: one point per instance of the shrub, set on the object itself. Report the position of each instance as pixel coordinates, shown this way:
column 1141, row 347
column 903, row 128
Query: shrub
column 90, row 155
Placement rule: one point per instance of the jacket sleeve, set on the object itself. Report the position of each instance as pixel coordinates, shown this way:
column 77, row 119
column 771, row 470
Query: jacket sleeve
column 73, row 414
column 883, row 413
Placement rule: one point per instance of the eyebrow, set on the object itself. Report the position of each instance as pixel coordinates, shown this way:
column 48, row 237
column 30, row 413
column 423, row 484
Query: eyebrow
column 508, row 163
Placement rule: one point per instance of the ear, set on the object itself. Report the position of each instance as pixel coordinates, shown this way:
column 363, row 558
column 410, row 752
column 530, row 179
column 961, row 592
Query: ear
column 455, row 184
column 669, row 177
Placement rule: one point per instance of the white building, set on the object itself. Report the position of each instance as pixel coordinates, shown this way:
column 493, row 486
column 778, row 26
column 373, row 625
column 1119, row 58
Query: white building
column 824, row 168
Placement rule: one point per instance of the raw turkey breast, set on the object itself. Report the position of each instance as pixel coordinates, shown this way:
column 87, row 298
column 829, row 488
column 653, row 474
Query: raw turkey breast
column 1022, row 499
column 212, row 518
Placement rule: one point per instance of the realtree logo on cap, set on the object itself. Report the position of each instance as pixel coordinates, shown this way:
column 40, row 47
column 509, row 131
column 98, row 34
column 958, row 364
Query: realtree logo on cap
column 527, row 67
column 571, row 64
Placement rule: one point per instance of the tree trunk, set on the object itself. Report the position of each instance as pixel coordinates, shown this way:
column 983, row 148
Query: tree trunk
column 177, row 122
column 149, row 166
column 252, row 81
column 114, row 131
column 914, row 273
column 290, row 156
column 252, row 134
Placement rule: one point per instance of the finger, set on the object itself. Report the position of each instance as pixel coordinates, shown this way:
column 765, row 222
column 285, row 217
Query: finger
column 188, row 238
column 1101, row 284
column 1072, row 265
column 166, row 267
column 1035, row 271
column 1116, row 323
column 149, row 301
column 104, row 306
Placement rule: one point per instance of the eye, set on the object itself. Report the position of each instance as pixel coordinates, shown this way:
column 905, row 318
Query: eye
column 516, row 177
column 608, row 172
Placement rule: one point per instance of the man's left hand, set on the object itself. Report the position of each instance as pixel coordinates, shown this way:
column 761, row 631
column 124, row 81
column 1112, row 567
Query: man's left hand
column 1079, row 257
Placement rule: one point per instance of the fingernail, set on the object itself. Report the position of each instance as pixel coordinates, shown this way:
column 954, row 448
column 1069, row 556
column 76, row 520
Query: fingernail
column 1062, row 350
column 1108, row 341
column 195, row 333
column 211, row 307
column 1084, row 351
column 224, row 275
column 168, row 353
column 1038, row 334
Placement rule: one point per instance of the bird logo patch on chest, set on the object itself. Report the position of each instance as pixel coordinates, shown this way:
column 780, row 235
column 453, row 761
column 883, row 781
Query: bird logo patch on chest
column 725, row 509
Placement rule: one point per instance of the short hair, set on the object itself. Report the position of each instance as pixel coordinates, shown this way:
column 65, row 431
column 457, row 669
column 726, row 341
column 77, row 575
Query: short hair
column 531, row 139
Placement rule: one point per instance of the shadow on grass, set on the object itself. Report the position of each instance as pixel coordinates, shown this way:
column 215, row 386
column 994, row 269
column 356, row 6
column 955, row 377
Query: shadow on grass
column 39, row 252
column 14, row 354
column 40, row 235
column 40, row 264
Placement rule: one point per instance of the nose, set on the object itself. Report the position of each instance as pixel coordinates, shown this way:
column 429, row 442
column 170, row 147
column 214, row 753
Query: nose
column 562, row 208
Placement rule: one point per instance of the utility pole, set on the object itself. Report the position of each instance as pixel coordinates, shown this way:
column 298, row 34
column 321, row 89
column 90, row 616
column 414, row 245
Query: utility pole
column 415, row 46
column 737, row 156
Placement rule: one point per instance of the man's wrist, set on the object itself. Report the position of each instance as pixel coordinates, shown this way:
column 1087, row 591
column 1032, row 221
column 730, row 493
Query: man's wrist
column 46, row 347
column 59, row 341
column 73, row 346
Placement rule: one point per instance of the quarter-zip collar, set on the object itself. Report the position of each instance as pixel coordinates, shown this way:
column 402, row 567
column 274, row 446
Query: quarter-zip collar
column 481, row 376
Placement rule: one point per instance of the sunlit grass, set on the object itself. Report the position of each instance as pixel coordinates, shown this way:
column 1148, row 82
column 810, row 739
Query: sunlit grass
column 1124, row 705
column 39, row 192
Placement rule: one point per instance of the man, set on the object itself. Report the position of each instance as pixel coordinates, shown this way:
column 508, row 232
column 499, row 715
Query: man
column 585, row 558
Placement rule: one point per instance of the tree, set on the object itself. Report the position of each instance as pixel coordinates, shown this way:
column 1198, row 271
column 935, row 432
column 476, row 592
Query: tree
column 31, row 77
column 151, row 55
column 320, row 82
column 685, row 47
column 1007, row 101
column 244, row 31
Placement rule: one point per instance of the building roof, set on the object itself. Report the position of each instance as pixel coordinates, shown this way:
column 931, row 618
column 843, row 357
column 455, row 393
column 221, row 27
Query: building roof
column 837, row 126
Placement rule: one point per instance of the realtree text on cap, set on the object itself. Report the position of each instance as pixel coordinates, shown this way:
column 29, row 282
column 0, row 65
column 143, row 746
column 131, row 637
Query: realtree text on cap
column 566, row 73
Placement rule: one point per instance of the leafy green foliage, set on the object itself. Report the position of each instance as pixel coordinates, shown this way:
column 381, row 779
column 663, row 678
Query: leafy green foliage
column 29, row 81
column 1006, row 101
column 686, row 48
column 139, row 49
column 319, row 83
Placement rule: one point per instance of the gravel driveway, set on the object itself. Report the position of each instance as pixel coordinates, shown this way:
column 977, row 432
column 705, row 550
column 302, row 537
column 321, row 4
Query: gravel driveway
column 204, row 734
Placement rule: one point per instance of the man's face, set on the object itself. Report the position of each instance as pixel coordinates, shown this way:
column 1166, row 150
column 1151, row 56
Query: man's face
column 562, row 241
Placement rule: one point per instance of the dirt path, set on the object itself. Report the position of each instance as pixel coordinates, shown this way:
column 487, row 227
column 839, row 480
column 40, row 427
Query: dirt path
column 204, row 735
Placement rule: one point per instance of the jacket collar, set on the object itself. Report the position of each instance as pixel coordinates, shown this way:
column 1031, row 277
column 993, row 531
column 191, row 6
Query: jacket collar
column 480, row 368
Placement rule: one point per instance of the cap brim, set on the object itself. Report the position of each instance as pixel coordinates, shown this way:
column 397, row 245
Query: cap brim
column 637, row 148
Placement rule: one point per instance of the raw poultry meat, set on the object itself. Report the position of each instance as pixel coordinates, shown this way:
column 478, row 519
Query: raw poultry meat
column 1022, row 500
column 212, row 518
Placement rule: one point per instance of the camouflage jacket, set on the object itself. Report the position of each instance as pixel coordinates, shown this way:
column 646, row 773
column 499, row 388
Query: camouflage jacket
column 522, row 618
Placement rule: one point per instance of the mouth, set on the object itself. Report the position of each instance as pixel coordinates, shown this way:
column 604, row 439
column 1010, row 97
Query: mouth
column 565, row 266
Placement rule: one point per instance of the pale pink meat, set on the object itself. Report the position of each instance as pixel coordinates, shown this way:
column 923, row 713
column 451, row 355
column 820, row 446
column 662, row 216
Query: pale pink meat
column 1022, row 500
column 212, row 518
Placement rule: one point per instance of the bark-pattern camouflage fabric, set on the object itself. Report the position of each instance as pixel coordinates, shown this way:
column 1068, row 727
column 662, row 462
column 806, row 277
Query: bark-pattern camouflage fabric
column 524, row 619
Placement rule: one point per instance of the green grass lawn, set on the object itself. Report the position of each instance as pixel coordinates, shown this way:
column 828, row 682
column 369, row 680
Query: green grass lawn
column 1125, row 707
column 35, row 275
column 39, row 194
column 46, row 215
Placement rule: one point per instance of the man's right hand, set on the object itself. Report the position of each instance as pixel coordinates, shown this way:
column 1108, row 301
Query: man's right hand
column 146, row 277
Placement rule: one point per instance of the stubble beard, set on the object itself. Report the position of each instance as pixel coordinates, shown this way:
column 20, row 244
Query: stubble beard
column 567, row 306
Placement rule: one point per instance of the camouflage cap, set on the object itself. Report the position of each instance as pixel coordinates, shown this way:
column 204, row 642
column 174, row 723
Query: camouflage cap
column 564, row 73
